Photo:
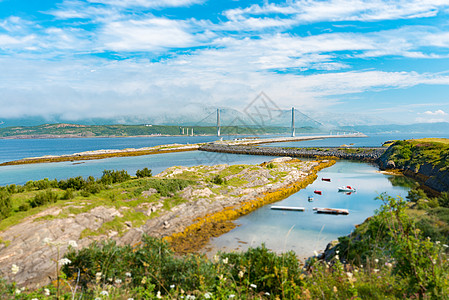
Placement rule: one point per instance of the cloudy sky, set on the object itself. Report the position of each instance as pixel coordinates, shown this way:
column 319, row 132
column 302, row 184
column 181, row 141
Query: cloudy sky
column 353, row 60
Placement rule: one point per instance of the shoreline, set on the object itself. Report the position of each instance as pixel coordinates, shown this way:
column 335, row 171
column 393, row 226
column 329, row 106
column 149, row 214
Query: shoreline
column 207, row 210
column 101, row 154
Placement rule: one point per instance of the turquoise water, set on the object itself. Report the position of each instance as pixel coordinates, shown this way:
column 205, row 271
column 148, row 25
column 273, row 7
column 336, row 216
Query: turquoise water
column 305, row 232
column 20, row 174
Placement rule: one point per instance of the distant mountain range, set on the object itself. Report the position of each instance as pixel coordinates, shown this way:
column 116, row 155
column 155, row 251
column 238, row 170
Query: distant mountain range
column 256, row 115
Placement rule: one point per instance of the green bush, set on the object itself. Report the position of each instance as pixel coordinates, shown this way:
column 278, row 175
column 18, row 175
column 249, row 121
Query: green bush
column 145, row 172
column 110, row 176
column 5, row 204
column 44, row 198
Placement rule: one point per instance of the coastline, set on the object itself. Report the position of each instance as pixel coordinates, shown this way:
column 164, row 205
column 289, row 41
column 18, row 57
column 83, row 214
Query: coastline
column 207, row 210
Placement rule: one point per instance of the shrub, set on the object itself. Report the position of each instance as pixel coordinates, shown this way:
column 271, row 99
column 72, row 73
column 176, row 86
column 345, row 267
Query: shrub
column 44, row 198
column 110, row 177
column 218, row 180
column 145, row 172
column 5, row 204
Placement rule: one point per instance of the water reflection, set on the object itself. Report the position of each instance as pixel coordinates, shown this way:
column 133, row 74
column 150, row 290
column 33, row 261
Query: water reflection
column 304, row 232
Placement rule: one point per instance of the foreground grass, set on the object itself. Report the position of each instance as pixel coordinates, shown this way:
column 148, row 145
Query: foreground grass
column 389, row 259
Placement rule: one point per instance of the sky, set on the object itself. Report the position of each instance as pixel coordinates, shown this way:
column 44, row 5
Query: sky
column 342, row 61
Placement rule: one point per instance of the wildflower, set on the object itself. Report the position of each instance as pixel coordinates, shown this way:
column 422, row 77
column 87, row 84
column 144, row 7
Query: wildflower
column 118, row 281
column 64, row 261
column 34, row 299
column 208, row 295
column 18, row 291
column 73, row 244
column 225, row 261
column 46, row 292
column 98, row 276
column 376, row 270
column 315, row 253
column 437, row 242
column 337, row 251
column 104, row 293
column 110, row 279
column 241, row 274
column 349, row 274
column 335, row 289
column 267, row 294
column 130, row 298
column 376, row 260
column 216, row 258
column 172, row 286
column 158, row 295
column 190, row 297
column 231, row 296
column 15, row 269
column 128, row 274
column 253, row 286
column 389, row 265
column 445, row 246
column 144, row 280
column 337, row 257
column 97, row 298
column 46, row 241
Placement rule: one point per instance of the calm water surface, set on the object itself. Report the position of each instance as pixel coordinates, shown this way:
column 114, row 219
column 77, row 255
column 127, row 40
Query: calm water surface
column 305, row 232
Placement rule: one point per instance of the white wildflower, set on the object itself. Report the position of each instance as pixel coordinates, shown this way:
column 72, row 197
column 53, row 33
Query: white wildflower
column 267, row 294
column 349, row 274
column 18, row 291
column 158, row 295
column 110, row 279
column 315, row 252
column 376, row 260
column 118, row 281
column 241, row 274
column 15, row 269
column 190, row 297
column 98, row 298
column 389, row 265
column 46, row 292
column 46, row 241
column 437, row 242
column 34, row 299
column 172, row 286
column 225, row 261
column 376, row 270
column 130, row 298
column 445, row 246
column 98, row 276
column 104, row 293
column 64, row 261
column 73, row 244
column 253, row 286
column 128, row 274
column 208, row 295
column 231, row 296
column 337, row 257
column 216, row 258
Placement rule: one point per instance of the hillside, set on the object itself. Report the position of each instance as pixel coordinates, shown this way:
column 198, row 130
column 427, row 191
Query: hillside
column 75, row 130
column 425, row 159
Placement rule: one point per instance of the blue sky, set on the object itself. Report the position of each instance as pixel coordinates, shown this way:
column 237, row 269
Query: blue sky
column 340, row 61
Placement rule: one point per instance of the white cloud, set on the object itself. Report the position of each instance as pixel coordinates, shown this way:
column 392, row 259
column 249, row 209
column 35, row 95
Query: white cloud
column 148, row 3
column 432, row 116
column 438, row 112
column 147, row 35
column 307, row 11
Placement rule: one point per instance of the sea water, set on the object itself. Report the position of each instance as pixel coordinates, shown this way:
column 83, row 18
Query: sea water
column 306, row 232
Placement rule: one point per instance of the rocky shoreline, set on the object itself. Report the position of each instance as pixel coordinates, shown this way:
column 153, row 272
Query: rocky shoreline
column 206, row 210
column 371, row 154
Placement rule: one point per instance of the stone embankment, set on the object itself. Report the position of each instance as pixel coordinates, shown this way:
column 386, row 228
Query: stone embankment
column 364, row 154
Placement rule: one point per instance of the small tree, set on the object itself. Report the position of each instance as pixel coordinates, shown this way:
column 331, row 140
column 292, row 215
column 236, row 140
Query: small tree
column 145, row 172
column 5, row 205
